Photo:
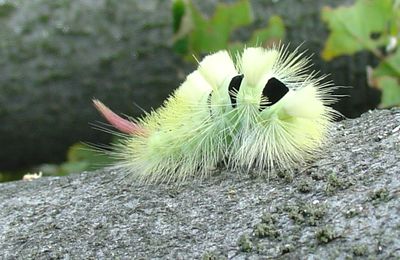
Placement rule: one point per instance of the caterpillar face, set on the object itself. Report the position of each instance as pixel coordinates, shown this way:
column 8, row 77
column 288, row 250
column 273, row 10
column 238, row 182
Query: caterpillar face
column 260, row 113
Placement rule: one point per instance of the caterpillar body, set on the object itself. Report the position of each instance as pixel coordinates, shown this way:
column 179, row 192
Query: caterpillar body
column 259, row 113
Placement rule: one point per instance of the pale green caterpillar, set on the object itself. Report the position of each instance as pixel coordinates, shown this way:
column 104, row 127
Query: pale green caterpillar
column 260, row 113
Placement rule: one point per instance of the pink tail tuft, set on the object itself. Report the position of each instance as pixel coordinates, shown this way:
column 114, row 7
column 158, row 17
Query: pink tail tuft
column 118, row 122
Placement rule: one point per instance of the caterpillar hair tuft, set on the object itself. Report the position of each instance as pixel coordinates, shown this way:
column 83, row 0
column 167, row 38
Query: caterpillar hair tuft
column 262, row 112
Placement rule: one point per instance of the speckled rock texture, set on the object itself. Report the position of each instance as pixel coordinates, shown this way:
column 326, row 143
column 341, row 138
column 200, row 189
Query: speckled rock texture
column 344, row 205
column 55, row 56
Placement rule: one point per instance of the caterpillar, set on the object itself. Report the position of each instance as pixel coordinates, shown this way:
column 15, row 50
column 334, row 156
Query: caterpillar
column 255, row 111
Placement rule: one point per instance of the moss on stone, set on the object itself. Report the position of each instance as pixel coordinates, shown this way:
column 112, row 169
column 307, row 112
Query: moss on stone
column 244, row 243
column 325, row 234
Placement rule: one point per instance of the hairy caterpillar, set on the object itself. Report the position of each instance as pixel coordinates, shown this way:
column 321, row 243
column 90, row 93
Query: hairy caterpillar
column 258, row 113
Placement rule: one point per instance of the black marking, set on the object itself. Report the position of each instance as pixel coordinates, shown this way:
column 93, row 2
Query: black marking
column 209, row 102
column 274, row 90
column 234, row 87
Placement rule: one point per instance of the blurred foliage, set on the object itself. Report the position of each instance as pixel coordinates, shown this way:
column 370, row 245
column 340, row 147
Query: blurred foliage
column 372, row 25
column 195, row 34
column 80, row 157
column 11, row 176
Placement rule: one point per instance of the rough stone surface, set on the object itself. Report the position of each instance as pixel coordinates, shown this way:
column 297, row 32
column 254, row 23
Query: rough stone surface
column 55, row 56
column 345, row 204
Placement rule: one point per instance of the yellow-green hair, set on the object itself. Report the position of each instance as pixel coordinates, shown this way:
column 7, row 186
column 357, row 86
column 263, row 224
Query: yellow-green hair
column 260, row 113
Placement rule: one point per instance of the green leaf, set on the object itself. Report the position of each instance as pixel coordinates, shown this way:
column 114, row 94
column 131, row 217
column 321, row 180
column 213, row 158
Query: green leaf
column 389, row 66
column 178, row 12
column 362, row 26
column 80, row 157
column 386, row 78
column 74, row 167
column 82, row 154
column 197, row 34
column 390, row 91
column 180, row 26
column 209, row 35
column 274, row 31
